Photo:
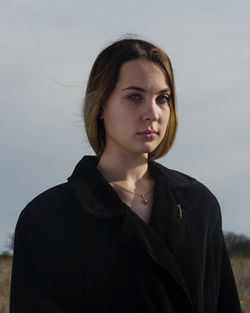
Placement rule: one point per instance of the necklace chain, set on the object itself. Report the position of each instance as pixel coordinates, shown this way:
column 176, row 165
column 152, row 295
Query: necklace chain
column 142, row 195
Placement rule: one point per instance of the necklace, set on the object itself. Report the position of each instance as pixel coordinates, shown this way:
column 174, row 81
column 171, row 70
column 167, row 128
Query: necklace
column 141, row 195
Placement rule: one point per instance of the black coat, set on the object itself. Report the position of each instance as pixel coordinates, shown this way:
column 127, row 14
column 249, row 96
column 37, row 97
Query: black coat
column 79, row 248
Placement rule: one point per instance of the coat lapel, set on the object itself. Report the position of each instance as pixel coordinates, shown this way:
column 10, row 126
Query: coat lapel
column 162, row 236
column 170, row 214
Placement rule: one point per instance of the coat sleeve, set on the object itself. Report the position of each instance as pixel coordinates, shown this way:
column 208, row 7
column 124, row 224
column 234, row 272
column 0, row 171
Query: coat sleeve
column 228, row 299
column 27, row 293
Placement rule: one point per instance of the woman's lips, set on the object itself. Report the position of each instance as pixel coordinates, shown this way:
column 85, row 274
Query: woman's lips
column 148, row 134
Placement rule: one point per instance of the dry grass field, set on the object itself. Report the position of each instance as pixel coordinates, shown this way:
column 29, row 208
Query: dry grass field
column 5, row 274
column 241, row 268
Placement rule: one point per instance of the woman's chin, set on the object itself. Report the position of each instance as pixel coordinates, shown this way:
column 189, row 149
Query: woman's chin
column 149, row 147
column 146, row 150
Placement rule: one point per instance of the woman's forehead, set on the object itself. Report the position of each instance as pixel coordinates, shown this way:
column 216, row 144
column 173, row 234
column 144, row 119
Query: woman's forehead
column 142, row 73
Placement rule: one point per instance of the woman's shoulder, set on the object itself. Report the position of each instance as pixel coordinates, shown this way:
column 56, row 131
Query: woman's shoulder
column 174, row 177
column 177, row 178
column 50, row 202
column 188, row 187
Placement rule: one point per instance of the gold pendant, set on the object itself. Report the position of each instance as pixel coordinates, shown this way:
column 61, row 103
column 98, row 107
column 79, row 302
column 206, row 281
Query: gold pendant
column 145, row 201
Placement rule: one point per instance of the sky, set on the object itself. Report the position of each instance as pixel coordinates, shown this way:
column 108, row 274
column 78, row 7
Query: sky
column 47, row 50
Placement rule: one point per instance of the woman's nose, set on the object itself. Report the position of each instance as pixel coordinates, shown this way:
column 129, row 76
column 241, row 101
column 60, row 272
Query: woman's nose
column 151, row 111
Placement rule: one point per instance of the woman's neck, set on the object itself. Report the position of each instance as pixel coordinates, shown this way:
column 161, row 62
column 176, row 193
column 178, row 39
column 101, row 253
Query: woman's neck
column 124, row 168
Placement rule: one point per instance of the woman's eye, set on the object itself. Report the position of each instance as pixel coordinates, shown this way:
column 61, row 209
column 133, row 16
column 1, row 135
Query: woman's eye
column 163, row 99
column 134, row 97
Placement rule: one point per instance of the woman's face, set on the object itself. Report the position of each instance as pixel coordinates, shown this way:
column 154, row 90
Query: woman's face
column 137, row 112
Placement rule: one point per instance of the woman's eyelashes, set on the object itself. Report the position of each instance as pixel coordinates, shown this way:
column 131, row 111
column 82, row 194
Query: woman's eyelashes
column 161, row 99
column 135, row 97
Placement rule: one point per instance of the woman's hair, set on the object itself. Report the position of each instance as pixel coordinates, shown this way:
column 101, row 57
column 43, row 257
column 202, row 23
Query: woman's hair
column 103, row 78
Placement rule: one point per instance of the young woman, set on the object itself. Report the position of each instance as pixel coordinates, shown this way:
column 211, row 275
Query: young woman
column 124, row 234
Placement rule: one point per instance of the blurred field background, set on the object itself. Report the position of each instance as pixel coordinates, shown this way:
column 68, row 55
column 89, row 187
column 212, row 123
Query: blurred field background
column 5, row 276
column 241, row 269
column 239, row 251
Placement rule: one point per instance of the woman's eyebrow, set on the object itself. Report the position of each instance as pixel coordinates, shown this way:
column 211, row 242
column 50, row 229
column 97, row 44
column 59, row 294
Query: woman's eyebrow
column 166, row 90
column 134, row 88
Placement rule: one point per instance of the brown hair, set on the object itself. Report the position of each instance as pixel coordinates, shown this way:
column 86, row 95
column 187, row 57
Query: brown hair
column 103, row 78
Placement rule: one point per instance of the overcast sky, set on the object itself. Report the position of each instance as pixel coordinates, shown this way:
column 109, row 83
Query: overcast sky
column 47, row 49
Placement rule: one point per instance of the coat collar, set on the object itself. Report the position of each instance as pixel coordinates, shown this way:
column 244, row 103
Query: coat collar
column 87, row 182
